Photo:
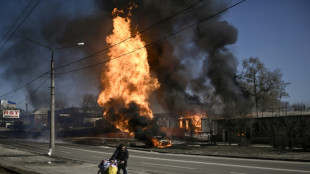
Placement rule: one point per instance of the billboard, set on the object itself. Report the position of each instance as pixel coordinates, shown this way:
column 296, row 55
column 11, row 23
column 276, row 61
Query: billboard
column 7, row 104
column 11, row 113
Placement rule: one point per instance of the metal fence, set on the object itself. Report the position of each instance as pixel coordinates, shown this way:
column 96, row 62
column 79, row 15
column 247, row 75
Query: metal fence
column 278, row 112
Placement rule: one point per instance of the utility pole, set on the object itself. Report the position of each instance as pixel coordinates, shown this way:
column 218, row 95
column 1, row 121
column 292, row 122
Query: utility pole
column 52, row 119
column 26, row 105
column 51, row 150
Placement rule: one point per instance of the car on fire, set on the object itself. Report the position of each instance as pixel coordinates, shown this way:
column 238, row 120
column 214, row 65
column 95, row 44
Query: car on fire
column 165, row 143
column 162, row 142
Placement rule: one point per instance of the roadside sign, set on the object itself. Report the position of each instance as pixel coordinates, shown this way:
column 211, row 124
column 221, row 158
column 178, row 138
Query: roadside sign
column 11, row 113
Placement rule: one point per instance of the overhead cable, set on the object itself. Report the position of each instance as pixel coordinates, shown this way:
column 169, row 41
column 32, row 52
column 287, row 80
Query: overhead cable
column 20, row 24
column 159, row 40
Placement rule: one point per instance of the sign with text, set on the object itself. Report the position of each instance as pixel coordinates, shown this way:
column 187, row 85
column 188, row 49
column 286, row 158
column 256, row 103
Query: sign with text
column 11, row 113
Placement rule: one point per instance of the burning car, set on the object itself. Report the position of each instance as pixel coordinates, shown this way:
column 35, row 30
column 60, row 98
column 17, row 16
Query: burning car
column 161, row 143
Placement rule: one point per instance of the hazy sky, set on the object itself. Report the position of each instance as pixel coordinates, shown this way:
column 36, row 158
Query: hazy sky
column 275, row 31
column 278, row 33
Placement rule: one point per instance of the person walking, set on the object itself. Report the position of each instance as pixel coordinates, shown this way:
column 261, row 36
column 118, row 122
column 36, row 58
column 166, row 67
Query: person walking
column 121, row 155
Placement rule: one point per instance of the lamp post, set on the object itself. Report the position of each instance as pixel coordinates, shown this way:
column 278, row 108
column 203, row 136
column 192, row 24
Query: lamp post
column 52, row 102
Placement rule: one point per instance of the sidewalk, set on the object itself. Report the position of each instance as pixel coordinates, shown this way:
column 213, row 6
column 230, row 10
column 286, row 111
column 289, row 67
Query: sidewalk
column 31, row 163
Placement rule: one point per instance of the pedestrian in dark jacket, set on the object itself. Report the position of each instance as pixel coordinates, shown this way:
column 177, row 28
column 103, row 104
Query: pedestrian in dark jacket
column 121, row 155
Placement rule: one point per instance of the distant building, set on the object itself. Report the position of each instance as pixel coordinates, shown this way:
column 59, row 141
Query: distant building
column 174, row 125
column 167, row 120
column 169, row 124
column 68, row 117
column 40, row 117
column 6, row 104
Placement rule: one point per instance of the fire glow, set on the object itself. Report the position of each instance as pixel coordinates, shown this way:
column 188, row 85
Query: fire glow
column 161, row 143
column 126, row 76
column 192, row 123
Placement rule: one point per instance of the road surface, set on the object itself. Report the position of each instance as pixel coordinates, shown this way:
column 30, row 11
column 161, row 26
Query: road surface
column 164, row 163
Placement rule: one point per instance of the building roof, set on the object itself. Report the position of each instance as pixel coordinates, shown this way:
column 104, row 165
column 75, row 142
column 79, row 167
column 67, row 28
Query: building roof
column 41, row 111
column 166, row 115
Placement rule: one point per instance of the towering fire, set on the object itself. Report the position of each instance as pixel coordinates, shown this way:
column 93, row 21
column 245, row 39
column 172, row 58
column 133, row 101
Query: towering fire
column 126, row 77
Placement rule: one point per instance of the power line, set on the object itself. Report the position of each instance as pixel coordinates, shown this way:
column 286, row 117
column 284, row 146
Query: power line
column 17, row 19
column 164, row 38
column 5, row 75
column 143, row 31
column 33, row 92
column 20, row 23
column 26, row 84
column 170, row 17
column 159, row 40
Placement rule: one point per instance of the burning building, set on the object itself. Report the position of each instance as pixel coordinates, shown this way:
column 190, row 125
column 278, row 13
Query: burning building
column 174, row 125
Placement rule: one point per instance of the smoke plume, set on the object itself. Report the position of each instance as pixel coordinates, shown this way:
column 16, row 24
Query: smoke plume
column 186, row 64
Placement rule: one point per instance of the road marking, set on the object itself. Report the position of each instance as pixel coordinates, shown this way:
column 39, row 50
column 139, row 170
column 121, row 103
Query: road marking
column 63, row 151
column 97, row 157
column 211, row 157
column 168, row 165
column 87, row 150
column 106, row 147
column 229, row 165
column 219, row 157
column 197, row 162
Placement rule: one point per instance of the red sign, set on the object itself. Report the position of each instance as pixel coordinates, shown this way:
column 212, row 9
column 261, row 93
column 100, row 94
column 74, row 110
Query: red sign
column 10, row 113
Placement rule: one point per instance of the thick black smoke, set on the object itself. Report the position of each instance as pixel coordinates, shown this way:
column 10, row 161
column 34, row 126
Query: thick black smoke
column 187, row 64
column 193, row 61
column 129, row 116
column 55, row 24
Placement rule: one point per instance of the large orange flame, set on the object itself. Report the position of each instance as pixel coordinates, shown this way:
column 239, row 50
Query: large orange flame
column 127, row 75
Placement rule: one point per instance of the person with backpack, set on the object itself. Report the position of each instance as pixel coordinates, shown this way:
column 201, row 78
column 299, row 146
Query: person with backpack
column 121, row 155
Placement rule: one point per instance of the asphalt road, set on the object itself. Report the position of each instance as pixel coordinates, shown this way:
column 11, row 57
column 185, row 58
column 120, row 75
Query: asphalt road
column 164, row 163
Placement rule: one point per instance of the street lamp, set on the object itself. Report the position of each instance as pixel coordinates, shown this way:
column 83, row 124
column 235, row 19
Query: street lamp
column 52, row 117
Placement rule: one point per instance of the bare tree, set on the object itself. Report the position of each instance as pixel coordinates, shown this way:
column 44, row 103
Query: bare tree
column 89, row 106
column 281, row 91
column 212, row 105
column 266, row 87
column 89, row 100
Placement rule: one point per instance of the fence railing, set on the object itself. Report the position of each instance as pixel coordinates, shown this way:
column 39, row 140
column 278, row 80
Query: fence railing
column 278, row 112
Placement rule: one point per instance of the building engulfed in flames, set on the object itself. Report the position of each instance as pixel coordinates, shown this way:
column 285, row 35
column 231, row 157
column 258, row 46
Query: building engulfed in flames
column 192, row 123
column 173, row 125
column 187, row 125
